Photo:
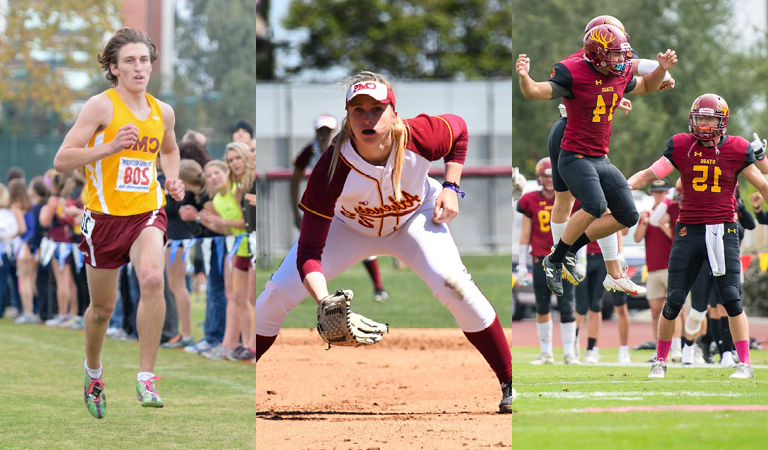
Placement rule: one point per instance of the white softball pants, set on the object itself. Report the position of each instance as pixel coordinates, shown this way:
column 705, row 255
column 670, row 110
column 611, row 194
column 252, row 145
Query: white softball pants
column 425, row 247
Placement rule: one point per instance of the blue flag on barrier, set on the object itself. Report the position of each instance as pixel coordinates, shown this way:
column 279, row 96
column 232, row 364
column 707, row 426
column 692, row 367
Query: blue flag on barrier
column 235, row 246
column 188, row 244
column 64, row 251
column 78, row 257
column 174, row 249
column 220, row 251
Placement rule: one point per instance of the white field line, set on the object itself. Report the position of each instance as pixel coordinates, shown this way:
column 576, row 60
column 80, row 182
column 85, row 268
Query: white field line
column 646, row 380
column 518, row 428
column 626, row 396
column 647, row 364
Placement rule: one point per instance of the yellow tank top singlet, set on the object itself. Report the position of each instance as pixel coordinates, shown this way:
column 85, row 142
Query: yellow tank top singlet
column 125, row 184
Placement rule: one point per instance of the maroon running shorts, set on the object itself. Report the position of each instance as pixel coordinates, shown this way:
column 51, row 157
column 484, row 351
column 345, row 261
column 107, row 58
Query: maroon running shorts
column 107, row 239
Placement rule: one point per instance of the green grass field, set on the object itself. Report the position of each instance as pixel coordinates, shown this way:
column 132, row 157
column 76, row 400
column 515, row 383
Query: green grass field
column 411, row 304
column 209, row 405
column 552, row 398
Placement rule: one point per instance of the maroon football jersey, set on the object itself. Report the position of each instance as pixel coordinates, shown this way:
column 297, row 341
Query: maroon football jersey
column 577, row 55
column 657, row 244
column 539, row 209
column 709, row 178
column 592, row 106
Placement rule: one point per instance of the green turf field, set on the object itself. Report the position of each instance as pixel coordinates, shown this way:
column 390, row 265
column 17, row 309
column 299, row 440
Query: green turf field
column 552, row 398
column 411, row 304
column 209, row 405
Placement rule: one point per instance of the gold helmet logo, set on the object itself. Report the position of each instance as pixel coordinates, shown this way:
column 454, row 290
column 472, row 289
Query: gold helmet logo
column 603, row 38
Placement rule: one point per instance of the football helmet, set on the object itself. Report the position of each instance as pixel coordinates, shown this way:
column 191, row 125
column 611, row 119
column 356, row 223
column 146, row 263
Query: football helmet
column 602, row 40
column 708, row 105
column 544, row 174
column 610, row 20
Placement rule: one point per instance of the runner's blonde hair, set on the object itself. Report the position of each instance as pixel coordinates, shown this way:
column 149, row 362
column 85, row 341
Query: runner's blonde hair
column 398, row 133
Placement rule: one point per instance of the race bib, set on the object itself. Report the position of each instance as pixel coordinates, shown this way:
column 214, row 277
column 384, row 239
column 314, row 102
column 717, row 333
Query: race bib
column 134, row 175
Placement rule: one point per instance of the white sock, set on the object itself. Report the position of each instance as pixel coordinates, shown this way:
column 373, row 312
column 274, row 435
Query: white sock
column 623, row 349
column 142, row 376
column 609, row 246
column 93, row 373
column 544, row 331
column 676, row 343
column 557, row 231
column 688, row 353
column 581, row 254
column 568, row 330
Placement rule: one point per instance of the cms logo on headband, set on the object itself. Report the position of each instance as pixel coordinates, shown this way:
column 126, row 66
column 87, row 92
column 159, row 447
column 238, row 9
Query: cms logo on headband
column 361, row 86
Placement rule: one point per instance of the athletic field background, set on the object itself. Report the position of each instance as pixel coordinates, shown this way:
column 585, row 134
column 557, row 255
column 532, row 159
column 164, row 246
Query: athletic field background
column 208, row 404
column 411, row 304
column 561, row 406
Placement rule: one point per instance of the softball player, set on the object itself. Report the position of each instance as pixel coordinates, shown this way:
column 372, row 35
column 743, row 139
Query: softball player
column 325, row 127
column 369, row 194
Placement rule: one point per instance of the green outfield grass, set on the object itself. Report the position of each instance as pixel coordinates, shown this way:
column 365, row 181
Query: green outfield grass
column 551, row 400
column 209, row 405
column 411, row 304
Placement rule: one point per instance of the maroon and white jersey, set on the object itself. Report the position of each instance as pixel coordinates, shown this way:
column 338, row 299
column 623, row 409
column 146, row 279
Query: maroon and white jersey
column 657, row 244
column 709, row 178
column 594, row 98
column 361, row 195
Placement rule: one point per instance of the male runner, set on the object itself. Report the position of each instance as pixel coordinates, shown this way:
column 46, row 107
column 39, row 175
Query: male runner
column 117, row 137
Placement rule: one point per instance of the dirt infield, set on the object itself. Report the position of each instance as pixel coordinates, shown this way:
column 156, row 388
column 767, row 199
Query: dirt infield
column 417, row 389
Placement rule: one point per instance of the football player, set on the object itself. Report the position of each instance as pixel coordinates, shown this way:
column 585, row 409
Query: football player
column 709, row 162
column 563, row 199
column 536, row 237
column 592, row 89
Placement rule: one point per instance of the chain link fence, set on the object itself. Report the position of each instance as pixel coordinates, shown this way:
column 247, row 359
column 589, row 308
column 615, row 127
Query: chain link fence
column 482, row 226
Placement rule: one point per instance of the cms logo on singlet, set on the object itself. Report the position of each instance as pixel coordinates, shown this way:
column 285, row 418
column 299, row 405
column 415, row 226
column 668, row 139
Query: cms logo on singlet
column 145, row 144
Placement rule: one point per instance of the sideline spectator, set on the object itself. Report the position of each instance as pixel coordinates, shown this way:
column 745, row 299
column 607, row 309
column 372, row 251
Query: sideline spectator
column 11, row 221
column 226, row 218
column 25, row 261
column 191, row 174
column 242, row 132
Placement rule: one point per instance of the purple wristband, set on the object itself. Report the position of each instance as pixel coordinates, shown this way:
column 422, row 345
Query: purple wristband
column 453, row 187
